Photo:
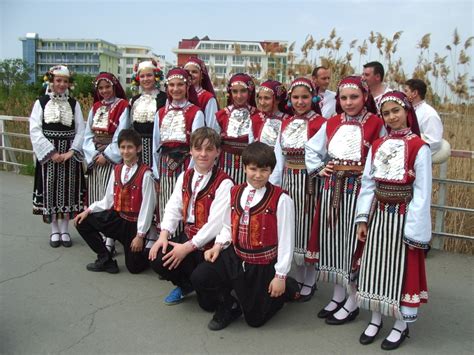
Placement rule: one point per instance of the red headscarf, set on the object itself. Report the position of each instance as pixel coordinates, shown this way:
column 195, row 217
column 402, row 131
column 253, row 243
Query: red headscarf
column 401, row 99
column 355, row 82
column 206, row 83
column 279, row 93
column 244, row 80
column 301, row 81
column 182, row 74
column 109, row 77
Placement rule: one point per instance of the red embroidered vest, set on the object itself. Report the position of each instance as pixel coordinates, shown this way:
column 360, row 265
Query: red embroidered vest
column 114, row 115
column 263, row 225
column 371, row 125
column 222, row 117
column 189, row 113
column 412, row 143
column 203, row 98
column 259, row 119
column 204, row 198
column 128, row 197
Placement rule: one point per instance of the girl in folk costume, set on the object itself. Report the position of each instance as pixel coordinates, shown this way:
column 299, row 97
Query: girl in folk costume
column 234, row 125
column 57, row 134
column 393, row 216
column 107, row 117
column 272, row 111
column 145, row 105
column 174, row 124
column 295, row 131
column 204, row 89
column 338, row 153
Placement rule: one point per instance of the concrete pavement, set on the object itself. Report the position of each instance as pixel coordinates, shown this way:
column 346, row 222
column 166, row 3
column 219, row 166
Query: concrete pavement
column 51, row 304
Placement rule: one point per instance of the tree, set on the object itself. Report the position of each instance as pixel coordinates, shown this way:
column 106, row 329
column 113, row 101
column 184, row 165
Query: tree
column 83, row 84
column 13, row 73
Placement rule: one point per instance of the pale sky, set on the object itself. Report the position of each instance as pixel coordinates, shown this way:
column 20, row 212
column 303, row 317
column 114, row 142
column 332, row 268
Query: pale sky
column 161, row 24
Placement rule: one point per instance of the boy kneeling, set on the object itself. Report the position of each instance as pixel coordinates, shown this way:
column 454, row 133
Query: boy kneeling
column 198, row 200
column 259, row 221
column 125, row 213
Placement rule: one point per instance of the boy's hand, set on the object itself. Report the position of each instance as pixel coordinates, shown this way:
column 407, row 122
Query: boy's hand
column 277, row 287
column 177, row 255
column 100, row 161
column 361, row 231
column 328, row 169
column 161, row 243
column 212, row 254
column 137, row 244
column 80, row 217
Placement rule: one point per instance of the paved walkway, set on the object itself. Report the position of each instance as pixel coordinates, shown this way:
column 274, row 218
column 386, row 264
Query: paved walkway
column 50, row 303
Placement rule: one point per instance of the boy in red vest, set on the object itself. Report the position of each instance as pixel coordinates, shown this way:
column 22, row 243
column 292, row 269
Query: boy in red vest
column 259, row 221
column 125, row 213
column 198, row 200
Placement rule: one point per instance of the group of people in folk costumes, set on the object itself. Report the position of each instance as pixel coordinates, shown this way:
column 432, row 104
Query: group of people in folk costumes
column 223, row 202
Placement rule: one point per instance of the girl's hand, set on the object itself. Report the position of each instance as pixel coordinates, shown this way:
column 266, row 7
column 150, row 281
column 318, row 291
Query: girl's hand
column 328, row 169
column 362, row 231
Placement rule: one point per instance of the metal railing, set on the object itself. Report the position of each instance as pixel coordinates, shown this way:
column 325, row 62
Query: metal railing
column 438, row 233
column 6, row 148
column 9, row 152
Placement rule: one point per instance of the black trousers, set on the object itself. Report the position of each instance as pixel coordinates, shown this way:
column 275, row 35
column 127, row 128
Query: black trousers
column 113, row 226
column 213, row 283
column 181, row 275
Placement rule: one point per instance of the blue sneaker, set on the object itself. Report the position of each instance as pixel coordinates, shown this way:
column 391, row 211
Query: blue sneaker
column 176, row 296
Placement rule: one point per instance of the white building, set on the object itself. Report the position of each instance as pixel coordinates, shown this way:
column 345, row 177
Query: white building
column 261, row 59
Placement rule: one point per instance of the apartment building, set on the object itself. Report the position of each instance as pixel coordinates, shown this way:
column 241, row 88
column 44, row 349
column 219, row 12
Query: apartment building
column 261, row 59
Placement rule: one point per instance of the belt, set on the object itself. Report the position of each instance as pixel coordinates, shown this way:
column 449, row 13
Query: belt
column 393, row 194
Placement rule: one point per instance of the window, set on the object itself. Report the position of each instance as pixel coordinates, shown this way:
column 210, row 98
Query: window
column 255, row 60
column 238, row 59
column 129, row 71
column 220, row 59
column 204, row 58
column 129, row 60
column 220, row 71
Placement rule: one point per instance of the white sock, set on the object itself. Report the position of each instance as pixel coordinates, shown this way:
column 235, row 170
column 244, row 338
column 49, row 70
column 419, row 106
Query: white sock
column 64, row 228
column 350, row 305
column 372, row 329
column 300, row 273
column 54, row 231
column 338, row 295
column 109, row 243
column 395, row 336
column 309, row 280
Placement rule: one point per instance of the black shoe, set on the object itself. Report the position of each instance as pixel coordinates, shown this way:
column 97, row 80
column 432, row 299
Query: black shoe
column 331, row 320
column 66, row 243
column 324, row 313
column 111, row 250
column 367, row 339
column 306, row 298
column 223, row 317
column 109, row 266
column 54, row 243
column 292, row 290
column 388, row 345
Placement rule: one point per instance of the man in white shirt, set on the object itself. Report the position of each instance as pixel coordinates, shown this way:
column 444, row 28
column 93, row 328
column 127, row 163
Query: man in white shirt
column 431, row 127
column 321, row 77
column 125, row 213
column 373, row 75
